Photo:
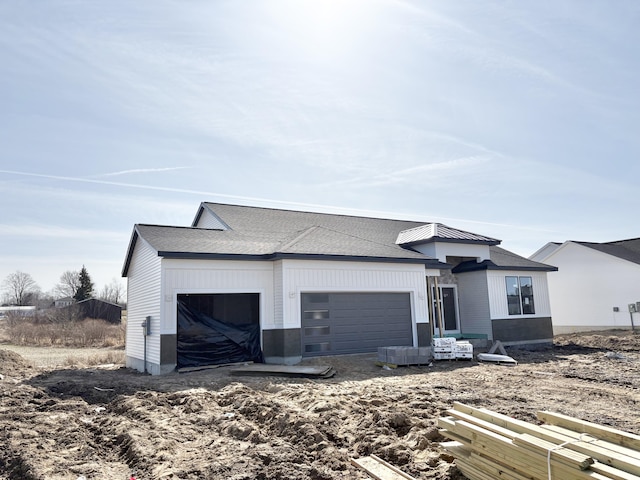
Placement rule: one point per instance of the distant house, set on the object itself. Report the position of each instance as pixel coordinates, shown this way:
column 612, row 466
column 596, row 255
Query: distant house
column 91, row 308
column 100, row 309
column 594, row 285
column 25, row 311
column 248, row 283
column 64, row 302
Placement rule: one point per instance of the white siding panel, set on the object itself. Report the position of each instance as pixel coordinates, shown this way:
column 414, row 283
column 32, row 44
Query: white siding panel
column 587, row 287
column 143, row 299
column 300, row 276
column 209, row 220
column 203, row 276
column 498, row 293
column 442, row 250
column 475, row 314
column 278, row 293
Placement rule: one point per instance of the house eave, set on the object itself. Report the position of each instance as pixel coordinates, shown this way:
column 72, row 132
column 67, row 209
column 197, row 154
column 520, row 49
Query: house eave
column 485, row 266
column 427, row 262
column 451, row 240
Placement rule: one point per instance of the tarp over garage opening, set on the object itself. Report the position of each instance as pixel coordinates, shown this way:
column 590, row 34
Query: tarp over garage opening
column 216, row 329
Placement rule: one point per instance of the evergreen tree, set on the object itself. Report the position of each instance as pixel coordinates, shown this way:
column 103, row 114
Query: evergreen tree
column 85, row 289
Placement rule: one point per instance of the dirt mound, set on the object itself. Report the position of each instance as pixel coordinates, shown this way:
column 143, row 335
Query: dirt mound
column 209, row 424
column 13, row 365
column 610, row 340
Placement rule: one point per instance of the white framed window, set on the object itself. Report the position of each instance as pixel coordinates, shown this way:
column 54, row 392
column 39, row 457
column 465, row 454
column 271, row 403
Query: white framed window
column 520, row 299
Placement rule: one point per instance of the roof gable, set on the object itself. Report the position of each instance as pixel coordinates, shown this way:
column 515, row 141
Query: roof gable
column 437, row 232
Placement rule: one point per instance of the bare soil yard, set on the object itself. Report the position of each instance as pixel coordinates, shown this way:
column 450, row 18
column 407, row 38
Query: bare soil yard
column 108, row 422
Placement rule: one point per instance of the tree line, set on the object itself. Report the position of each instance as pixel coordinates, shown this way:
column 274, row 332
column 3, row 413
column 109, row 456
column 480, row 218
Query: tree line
column 20, row 289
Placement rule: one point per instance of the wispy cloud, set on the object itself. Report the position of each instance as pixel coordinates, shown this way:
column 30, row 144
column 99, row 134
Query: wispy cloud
column 53, row 231
column 214, row 196
column 140, row 170
column 415, row 174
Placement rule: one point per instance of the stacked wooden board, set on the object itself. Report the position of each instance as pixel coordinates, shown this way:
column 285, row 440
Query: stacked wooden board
column 379, row 469
column 488, row 445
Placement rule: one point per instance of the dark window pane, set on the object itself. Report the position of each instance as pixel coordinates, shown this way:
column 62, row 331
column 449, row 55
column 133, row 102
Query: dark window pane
column 513, row 295
column 311, row 331
column 526, row 293
column 316, row 314
column 317, row 347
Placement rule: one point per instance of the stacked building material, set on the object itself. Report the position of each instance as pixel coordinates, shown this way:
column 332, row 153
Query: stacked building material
column 487, row 445
column 396, row 356
column 448, row 348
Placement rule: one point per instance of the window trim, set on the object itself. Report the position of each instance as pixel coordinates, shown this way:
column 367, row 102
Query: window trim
column 525, row 302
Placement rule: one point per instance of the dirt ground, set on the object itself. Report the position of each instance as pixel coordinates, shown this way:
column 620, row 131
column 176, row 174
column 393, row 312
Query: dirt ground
column 109, row 422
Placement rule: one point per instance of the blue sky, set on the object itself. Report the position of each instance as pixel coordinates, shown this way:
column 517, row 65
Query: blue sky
column 516, row 120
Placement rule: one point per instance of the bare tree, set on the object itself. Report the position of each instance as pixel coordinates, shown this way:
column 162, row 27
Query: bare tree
column 20, row 288
column 69, row 284
column 113, row 292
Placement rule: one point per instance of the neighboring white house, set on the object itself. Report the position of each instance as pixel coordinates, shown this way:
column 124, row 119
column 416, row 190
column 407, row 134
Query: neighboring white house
column 248, row 283
column 64, row 302
column 25, row 311
column 595, row 284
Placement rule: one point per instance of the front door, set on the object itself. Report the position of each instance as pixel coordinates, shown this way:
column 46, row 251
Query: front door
column 449, row 309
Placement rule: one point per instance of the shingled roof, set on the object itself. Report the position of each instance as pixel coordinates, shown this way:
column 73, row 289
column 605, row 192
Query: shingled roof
column 625, row 249
column 257, row 233
column 501, row 259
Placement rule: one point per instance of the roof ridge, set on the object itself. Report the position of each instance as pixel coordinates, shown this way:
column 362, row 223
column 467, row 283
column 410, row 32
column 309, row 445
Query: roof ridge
column 306, row 232
column 367, row 217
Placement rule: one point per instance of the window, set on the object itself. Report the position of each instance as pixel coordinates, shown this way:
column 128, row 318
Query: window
column 520, row 295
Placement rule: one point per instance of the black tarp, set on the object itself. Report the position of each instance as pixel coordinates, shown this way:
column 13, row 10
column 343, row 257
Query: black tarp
column 203, row 340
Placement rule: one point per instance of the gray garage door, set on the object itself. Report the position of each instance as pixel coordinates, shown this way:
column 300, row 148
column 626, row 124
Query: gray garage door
column 340, row 323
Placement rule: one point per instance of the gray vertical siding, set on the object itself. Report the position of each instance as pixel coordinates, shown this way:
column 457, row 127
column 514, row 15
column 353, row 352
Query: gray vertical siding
column 473, row 302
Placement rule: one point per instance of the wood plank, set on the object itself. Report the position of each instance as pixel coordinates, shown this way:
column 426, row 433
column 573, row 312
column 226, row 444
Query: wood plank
column 527, row 434
column 609, row 434
column 614, row 447
column 596, row 449
column 379, row 469
column 563, row 464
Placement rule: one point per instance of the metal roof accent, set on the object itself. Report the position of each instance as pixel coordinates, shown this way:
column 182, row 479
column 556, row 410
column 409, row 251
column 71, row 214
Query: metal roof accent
column 438, row 232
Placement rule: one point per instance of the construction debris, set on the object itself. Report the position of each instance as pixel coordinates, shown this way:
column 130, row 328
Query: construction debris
column 488, row 445
column 263, row 369
column 379, row 469
column 395, row 356
column 495, row 358
column 448, row 348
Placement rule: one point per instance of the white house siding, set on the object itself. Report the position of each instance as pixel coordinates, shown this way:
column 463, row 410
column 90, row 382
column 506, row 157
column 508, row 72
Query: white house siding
column 442, row 250
column 475, row 314
column 278, row 294
column 301, row 276
column 209, row 220
column 143, row 299
column 203, row 276
column 498, row 294
column 587, row 287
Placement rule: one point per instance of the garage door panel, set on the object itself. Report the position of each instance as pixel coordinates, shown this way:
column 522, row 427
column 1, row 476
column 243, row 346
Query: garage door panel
column 354, row 322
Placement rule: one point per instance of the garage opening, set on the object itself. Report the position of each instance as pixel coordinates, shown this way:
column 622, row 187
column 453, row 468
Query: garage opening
column 219, row 328
column 343, row 323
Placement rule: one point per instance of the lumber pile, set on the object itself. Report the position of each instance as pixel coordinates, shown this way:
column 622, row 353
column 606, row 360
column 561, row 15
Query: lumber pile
column 488, row 445
column 379, row 469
